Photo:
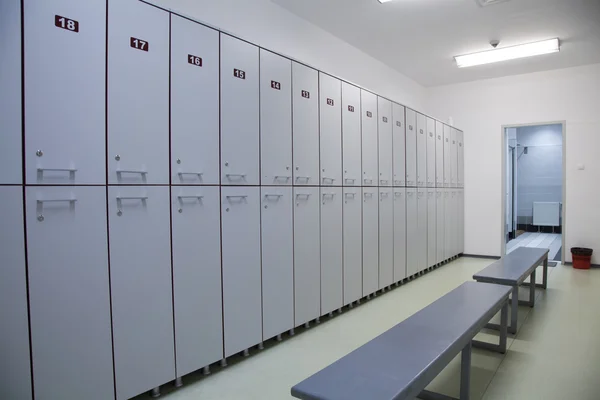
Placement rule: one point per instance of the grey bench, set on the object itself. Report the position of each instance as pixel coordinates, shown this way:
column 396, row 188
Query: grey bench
column 401, row 362
column 512, row 270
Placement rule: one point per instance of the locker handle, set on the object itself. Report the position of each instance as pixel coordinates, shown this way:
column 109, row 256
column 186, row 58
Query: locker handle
column 398, row 194
column 368, row 194
column 352, row 195
column 131, row 171
column 328, row 179
column 230, row 175
column 350, row 179
column 273, row 195
column 286, row 177
column 384, row 181
column 57, row 169
column 368, row 180
column 328, row 195
column 237, row 197
column 303, row 177
column 410, row 194
column 397, row 182
column 190, row 197
column 143, row 198
column 190, row 173
column 384, row 194
column 302, row 195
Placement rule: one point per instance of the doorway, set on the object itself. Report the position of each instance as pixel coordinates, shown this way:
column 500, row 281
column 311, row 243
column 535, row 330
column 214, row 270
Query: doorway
column 533, row 188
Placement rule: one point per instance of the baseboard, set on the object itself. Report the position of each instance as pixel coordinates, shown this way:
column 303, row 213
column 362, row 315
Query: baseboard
column 592, row 265
column 481, row 256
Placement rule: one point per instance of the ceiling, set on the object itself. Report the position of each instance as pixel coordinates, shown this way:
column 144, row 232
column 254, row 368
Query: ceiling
column 419, row 38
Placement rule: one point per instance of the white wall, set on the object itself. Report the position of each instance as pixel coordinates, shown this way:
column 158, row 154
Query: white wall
column 274, row 28
column 482, row 107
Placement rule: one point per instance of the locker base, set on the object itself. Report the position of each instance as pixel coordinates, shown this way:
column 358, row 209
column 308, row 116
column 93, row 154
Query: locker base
column 307, row 325
column 358, row 301
column 350, row 305
column 246, row 353
column 261, row 346
column 368, row 297
column 179, row 382
column 224, row 362
column 375, row 294
column 318, row 320
column 339, row 310
column 206, row 370
column 292, row 332
column 278, row 338
column 330, row 314
column 154, row 393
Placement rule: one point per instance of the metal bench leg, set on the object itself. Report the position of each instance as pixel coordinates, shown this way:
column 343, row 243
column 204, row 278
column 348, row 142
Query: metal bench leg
column 545, row 284
column 514, row 311
column 503, row 328
column 465, row 380
column 532, row 286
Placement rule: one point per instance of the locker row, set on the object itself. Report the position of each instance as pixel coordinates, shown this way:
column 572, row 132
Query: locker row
column 175, row 279
column 170, row 101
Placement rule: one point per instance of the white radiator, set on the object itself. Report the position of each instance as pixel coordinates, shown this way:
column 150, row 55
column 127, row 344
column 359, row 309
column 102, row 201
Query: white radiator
column 546, row 213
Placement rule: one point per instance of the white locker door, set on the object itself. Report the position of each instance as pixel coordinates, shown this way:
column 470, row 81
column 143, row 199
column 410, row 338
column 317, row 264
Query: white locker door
column 447, row 156
column 242, row 308
column 142, row 309
column 352, row 239
column 431, row 160
column 65, row 91
column 453, row 158
column 422, row 230
column 399, row 234
column 411, row 148
column 412, row 233
column 10, row 108
column 448, row 231
column 370, row 163
column 194, row 103
column 386, row 237
column 439, row 154
column 455, row 229
column 331, row 249
column 330, row 90
column 370, row 240
column 461, row 221
column 239, row 112
column 421, row 150
column 277, row 240
column 197, row 276
column 440, row 225
column 275, row 119
column 307, row 255
column 399, row 145
column 431, row 228
column 67, row 253
column 351, row 135
column 305, row 99
column 461, row 159
column 138, row 93
column 15, row 380
column 384, row 110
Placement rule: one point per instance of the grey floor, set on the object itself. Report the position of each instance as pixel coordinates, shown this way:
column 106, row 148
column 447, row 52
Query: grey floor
column 551, row 241
column 555, row 354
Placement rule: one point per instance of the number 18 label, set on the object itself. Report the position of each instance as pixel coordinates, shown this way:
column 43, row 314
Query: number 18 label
column 66, row 23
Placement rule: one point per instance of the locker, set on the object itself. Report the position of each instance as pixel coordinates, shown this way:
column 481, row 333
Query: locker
column 65, row 118
column 352, row 241
column 370, row 240
column 239, row 112
column 330, row 90
column 431, row 228
column 194, row 103
column 448, row 229
column 454, row 206
column 351, row 135
column 422, row 208
column 447, row 156
column 331, row 249
column 431, row 160
column 242, row 308
column 461, row 159
column 453, row 158
column 421, row 150
column 275, row 119
column 142, row 309
column 399, row 234
column 398, row 145
column 461, row 221
column 384, row 111
column 439, row 154
column 138, row 93
column 15, row 380
column 411, row 148
column 412, row 233
column 386, row 237
column 277, row 243
column 440, row 226
column 307, row 255
column 196, row 245
column 68, row 280
column 10, row 98
column 305, row 99
column 370, row 163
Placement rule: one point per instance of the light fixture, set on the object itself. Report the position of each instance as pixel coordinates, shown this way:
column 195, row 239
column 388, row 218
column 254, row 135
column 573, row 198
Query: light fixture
column 384, row 1
column 509, row 53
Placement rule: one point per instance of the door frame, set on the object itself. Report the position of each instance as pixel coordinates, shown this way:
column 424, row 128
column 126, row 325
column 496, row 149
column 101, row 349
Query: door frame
column 563, row 123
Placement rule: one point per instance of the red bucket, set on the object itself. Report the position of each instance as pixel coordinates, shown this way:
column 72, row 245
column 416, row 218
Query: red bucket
column 582, row 258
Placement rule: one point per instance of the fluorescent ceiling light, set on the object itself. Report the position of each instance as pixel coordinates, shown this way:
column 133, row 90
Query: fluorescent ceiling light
column 508, row 53
column 384, row 1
